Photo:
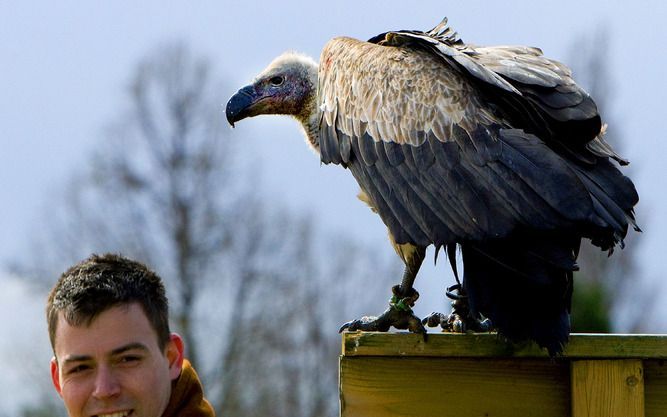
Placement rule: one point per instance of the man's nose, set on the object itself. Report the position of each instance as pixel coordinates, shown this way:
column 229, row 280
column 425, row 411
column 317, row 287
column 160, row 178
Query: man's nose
column 107, row 383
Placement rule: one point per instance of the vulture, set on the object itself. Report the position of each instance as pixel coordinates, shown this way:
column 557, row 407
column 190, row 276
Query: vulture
column 491, row 153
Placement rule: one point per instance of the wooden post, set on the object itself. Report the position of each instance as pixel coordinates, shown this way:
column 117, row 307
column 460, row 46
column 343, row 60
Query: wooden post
column 473, row 375
column 609, row 388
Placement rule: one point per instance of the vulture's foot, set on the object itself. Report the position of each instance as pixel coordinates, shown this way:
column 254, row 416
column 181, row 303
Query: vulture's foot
column 399, row 315
column 460, row 320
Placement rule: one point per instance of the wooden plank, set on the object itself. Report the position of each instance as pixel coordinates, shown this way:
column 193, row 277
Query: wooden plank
column 655, row 388
column 491, row 345
column 609, row 388
column 456, row 387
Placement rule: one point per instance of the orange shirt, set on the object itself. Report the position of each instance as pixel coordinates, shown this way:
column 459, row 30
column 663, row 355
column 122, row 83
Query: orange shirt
column 187, row 396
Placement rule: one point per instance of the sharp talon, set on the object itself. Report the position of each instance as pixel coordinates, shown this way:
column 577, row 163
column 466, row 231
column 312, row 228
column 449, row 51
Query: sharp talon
column 399, row 315
column 344, row 327
column 458, row 295
column 366, row 323
column 457, row 323
column 485, row 325
column 458, row 326
column 434, row 319
column 460, row 320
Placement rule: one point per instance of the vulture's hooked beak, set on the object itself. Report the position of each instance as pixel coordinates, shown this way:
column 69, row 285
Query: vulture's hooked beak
column 238, row 107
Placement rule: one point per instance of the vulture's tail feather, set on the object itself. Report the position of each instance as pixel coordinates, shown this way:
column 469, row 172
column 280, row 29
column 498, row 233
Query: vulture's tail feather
column 524, row 286
column 614, row 197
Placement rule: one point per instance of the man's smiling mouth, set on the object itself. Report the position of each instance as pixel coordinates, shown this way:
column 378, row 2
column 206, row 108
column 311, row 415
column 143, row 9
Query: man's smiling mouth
column 115, row 414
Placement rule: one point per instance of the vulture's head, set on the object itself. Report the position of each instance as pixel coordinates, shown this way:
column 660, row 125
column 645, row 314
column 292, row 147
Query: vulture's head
column 287, row 86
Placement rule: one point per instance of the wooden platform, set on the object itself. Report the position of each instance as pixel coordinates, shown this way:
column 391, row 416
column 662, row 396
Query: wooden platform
column 461, row 375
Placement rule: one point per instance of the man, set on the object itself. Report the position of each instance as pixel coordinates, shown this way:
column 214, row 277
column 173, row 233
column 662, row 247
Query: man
column 114, row 353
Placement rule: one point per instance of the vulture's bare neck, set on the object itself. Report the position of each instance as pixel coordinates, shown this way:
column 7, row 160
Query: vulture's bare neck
column 310, row 121
column 309, row 115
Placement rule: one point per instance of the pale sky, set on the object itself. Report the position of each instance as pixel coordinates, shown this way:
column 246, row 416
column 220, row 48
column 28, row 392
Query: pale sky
column 64, row 65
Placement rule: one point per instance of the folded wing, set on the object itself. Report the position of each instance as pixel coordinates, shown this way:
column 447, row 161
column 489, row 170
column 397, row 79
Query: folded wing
column 455, row 143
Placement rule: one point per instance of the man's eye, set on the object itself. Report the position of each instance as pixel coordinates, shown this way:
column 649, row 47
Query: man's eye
column 77, row 369
column 130, row 359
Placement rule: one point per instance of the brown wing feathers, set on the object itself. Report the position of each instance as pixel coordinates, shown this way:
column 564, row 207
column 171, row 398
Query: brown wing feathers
column 445, row 167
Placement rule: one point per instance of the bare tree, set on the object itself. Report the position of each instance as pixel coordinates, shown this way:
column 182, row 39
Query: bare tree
column 287, row 365
column 157, row 187
column 607, row 284
column 255, row 290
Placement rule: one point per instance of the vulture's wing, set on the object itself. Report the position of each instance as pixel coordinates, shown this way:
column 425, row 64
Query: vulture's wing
column 533, row 92
column 443, row 138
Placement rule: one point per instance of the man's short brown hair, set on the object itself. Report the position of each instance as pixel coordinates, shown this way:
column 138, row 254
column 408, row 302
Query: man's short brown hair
column 103, row 281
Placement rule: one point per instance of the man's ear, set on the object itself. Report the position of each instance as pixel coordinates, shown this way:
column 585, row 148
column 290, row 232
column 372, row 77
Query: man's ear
column 55, row 375
column 174, row 353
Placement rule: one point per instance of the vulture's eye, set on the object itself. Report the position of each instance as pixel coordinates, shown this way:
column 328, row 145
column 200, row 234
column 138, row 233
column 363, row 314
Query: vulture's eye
column 277, row 80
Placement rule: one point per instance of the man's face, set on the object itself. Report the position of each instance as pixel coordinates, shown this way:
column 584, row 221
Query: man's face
column 114, row 367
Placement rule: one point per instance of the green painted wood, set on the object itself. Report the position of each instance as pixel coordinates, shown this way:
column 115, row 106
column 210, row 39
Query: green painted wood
column 401, row 374
column 491, row 345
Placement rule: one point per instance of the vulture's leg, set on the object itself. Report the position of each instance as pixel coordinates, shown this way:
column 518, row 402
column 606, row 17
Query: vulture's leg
column 461, row 319
column 399, row 314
